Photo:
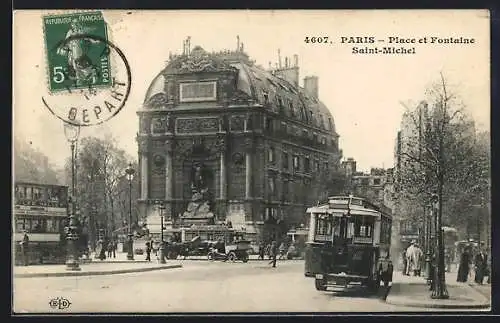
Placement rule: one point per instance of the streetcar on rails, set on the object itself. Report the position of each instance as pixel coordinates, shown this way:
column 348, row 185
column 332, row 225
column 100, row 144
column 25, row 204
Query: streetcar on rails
column 348, row 243
column 40, row 211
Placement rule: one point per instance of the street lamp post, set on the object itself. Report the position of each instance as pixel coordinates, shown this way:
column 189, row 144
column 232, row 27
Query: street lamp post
column 130, row 175
column 162, row 242
column 428, row 229
column 439, row 291
column 72, row 133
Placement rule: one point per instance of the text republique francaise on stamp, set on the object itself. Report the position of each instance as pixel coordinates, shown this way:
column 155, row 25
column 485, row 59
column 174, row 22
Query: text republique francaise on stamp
column 88, row 77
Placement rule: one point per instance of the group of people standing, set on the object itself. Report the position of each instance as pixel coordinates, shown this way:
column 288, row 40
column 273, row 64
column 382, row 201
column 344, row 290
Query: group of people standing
column 413, row 258
column 480, row 262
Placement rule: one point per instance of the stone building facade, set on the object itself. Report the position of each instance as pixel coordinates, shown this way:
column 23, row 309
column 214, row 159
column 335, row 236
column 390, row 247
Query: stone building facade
column 224, row 140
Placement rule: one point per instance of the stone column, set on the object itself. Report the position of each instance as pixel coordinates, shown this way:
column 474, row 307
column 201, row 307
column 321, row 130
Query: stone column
column 248, row 167
column 169, row 176
column 143, row 154
column 221, row 147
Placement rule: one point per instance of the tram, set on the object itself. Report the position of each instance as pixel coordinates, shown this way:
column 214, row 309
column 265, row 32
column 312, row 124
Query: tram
column 348, row 243
column 40, row 211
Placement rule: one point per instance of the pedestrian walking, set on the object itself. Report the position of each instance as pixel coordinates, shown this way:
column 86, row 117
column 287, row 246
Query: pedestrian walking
column 282, row 250
column 409, row 258
column 148, row 251
column 480, row 266
column 262, row 251
column 405, row 261
column 115, row 247
column 463, row 267
column 268, row 251
column 273, row 251
column 110, row 247
column 24, row 248
column 417, row 258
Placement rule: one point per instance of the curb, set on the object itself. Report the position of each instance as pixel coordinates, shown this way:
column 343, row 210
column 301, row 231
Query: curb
column 485, row 303
column 95, row 273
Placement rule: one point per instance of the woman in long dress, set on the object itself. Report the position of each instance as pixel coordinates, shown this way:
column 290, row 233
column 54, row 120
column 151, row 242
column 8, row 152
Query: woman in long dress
column 463, row 268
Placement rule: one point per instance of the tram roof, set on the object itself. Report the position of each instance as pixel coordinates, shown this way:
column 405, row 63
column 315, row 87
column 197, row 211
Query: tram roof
column 325, row 209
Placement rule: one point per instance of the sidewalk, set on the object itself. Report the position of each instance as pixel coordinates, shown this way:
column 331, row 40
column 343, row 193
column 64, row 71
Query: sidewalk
column 414, row 292
column 96, row 267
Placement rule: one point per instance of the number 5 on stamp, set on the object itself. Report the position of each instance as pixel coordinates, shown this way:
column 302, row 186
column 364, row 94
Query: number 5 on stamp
column 75, row 61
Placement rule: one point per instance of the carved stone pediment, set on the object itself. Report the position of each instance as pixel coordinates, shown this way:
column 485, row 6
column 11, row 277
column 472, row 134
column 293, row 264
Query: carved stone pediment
column 198, row 61
column 240, row 97
column 157, row 101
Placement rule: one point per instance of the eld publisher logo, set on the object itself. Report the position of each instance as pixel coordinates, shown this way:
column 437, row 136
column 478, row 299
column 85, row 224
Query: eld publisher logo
column 60, row 303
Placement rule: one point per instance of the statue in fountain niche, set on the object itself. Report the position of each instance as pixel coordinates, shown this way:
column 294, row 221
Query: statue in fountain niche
column 199, row 206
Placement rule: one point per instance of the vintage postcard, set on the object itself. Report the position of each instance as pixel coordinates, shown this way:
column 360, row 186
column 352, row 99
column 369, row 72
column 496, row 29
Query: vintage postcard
column 292, row 161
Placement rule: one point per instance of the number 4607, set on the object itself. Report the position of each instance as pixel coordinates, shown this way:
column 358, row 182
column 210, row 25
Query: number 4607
column 317, row 40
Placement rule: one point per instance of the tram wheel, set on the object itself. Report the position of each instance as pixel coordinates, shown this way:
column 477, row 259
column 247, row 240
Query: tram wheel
column 210, row 256
column 231, row 257
column 320, row 284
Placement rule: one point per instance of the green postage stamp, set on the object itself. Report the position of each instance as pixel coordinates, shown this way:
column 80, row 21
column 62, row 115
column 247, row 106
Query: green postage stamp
column 77, row 51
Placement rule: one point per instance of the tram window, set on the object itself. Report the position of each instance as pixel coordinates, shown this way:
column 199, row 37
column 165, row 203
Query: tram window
column 323, row 226
column 52, row 225
column 363, row 227
column 20, row 225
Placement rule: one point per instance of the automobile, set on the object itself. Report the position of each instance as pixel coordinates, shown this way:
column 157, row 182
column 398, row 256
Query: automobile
column 292, row 252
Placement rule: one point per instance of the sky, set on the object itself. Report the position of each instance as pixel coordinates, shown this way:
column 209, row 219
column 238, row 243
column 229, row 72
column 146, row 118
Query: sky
column 363, row 92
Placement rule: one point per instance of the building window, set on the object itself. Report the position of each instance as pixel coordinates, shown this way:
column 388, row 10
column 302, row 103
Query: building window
column 315, row 138
column 272, row 186
column 376, row 181
column 330, row 124
column 280, row 105
column 290, row 105
column 266, row 98
column 311, row 118
column 296, row 162
column 317, row 166
column 270, row 154
column 307, row 165
column 365, row 181
column 198, row 91
column 327, row 167
column 285, row 160
column 321, row 121
column 323, row 140
column 284, row 128
column 286, row 189
column 269, row 124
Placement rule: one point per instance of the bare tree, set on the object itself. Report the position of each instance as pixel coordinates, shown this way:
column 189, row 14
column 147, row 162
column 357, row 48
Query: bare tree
column 435, row 155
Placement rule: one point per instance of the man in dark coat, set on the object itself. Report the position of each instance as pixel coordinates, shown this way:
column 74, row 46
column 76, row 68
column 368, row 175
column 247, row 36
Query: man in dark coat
column 261, row 250
column 480, row 262
column 273, row 252
column 148, row 251
column 463, row 267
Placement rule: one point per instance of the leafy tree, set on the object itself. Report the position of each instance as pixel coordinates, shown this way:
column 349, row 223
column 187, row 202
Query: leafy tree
column 100, row 172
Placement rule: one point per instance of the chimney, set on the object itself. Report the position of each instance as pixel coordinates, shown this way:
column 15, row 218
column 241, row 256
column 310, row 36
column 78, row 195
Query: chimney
column 296, row 60
column 311, row 85
column 289, row 72
column 188, row 42
column 279, row 58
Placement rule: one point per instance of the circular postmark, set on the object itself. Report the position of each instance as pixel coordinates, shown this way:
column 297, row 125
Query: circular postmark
column 91, row 85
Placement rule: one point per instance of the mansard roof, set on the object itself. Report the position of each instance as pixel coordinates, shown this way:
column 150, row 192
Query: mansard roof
column 252, row 81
